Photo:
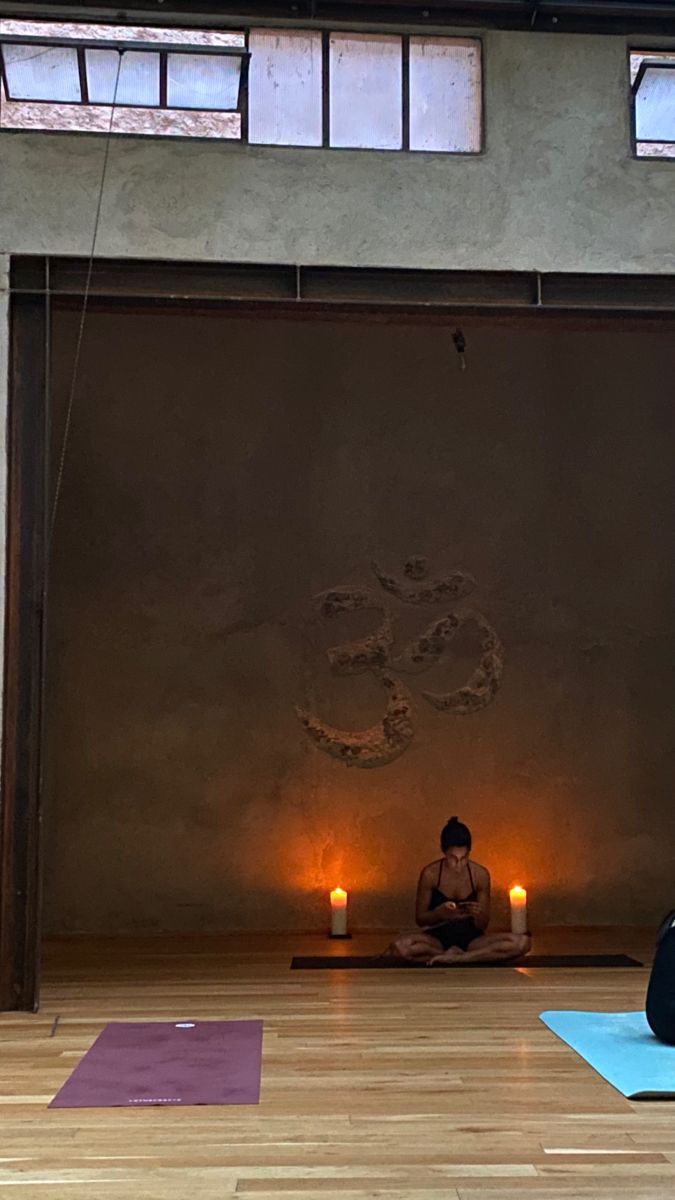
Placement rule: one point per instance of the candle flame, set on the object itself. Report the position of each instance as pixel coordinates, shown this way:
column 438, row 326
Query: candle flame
column 337, row 895
column 518, row 892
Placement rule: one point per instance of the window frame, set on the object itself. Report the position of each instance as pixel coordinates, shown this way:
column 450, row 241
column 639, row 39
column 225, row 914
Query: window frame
column 165, row 48
column 650, row 60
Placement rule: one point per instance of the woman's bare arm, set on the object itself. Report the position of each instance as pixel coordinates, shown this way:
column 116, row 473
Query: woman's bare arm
column 479, row 909
column 425, row 916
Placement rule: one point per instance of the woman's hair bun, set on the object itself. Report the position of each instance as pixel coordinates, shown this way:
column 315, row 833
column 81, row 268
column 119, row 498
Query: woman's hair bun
column 455, row 833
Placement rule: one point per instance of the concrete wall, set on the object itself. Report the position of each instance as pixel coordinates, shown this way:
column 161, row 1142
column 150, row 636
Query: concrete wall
column 222, row 472
column 555, row 190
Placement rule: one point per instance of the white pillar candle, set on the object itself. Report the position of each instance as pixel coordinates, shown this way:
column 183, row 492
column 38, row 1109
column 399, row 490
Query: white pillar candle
column 518, row 898
column 338, row 913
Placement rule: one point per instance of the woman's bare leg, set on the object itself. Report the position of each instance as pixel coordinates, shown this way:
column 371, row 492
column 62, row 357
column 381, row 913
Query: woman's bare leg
column 491, row 947
column 414, row 947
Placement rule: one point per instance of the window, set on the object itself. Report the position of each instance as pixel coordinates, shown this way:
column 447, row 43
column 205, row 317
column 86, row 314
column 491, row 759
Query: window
column 365, row 91
column 366, row 87
column 653, row 92
column 445, row 90
column 282, row 87
column 285, row 88
column 167, row 82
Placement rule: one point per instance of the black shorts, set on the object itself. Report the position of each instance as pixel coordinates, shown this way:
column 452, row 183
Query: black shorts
column 457, row 933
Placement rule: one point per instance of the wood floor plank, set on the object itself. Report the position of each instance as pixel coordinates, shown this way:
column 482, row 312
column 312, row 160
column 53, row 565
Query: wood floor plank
column 376, row 1085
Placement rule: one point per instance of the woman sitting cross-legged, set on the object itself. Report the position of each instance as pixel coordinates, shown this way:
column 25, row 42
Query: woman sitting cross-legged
column 453, row 910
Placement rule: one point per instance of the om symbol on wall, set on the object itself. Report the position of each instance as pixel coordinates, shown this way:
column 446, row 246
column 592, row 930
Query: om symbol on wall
column 389, row 738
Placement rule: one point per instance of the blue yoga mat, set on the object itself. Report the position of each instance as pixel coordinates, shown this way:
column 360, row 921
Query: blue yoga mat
column 622, row 1048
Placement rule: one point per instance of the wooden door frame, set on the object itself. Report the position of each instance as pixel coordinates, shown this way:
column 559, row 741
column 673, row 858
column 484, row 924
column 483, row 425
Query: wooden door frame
column 23, row 652
column 335, row 293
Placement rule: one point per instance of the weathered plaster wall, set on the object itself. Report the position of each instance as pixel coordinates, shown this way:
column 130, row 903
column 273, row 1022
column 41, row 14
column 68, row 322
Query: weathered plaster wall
column 556, row 189
column 222, row 473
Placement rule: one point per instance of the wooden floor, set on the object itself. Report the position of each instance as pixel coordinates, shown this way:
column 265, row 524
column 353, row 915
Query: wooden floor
column 438, row 1085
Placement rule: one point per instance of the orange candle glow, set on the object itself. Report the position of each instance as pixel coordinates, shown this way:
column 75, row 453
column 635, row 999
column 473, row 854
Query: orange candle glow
column 338, row 913
column 518, row 898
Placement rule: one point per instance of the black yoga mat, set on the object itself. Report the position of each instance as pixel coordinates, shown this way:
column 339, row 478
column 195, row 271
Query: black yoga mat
column 346, row 962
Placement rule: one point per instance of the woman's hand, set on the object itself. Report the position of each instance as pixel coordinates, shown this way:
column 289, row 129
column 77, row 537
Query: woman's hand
column 472, row 908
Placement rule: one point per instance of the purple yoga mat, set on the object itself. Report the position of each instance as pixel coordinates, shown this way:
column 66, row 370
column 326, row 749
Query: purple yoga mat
column 136, row 1065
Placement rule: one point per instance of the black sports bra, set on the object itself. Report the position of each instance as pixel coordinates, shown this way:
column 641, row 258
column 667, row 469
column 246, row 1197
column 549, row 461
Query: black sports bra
column 438, row 897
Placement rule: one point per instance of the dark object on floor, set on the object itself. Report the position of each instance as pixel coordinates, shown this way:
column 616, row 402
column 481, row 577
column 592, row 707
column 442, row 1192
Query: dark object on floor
column 660, row 1004
column 346, row 962
column 141, row 1064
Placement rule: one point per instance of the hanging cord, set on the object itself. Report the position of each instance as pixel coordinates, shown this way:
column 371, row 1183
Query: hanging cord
column 49, row 530
column 83, row 314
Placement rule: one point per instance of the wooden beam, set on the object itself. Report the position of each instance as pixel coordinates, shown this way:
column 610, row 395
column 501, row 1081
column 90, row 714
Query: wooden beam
column 563, row 16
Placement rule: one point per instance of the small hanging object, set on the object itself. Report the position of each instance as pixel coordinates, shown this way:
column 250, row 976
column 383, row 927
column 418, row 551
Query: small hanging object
column 460, row 346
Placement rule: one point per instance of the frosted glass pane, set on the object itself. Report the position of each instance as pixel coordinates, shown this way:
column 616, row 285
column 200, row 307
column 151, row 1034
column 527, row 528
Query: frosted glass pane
column 655, row 149
column 120, row 33
column 41, row 72
column 95, row 118
column 655, row 105
column 637, row 57
column 138, row 81
column 366, row 91
column 203, row 81
column 445, row 94
column 284, row 88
